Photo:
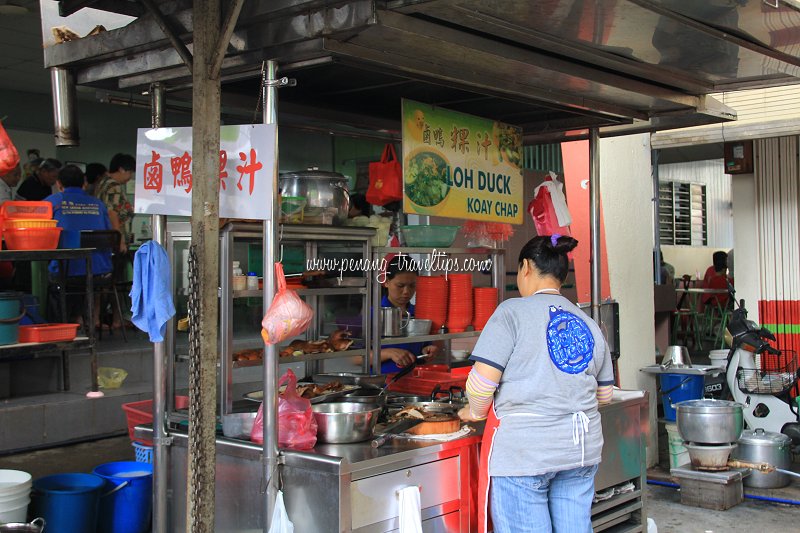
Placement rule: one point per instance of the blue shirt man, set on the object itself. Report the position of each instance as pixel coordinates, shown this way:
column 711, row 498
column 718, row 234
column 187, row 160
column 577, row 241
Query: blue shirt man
column 75, row 210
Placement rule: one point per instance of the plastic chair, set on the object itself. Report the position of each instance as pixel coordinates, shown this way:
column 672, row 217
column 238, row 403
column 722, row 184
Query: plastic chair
column 686, row 315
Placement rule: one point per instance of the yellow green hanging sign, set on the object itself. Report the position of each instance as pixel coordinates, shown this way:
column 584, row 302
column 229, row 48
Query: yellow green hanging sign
column 460, row 166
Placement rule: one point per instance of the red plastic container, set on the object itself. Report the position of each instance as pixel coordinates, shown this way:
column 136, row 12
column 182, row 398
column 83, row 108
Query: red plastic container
column 32, row 238
column 141, row 413
column 48, row 332
column 423, row 380
column 23, row 209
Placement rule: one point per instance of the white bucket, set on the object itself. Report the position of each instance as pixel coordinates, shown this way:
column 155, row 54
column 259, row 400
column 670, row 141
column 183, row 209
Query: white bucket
column 15, row 491
column 12, row 481
column 719, row 358
column 16, row 514
column 678, row 454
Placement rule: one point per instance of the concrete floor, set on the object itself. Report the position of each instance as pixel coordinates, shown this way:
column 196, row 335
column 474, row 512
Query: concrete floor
column 664, row 505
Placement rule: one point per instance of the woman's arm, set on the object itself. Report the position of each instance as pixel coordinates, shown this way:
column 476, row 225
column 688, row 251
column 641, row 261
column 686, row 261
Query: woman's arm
column 604, row 393
column 482, row 382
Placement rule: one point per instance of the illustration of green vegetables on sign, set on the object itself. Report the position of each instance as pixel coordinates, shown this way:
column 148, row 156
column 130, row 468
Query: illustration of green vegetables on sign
column 460, row 166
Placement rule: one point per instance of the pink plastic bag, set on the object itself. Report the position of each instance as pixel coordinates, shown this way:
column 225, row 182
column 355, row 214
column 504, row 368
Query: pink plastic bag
column 9, row 157
column 287, row 316
column 544, row 215
column 297, row 427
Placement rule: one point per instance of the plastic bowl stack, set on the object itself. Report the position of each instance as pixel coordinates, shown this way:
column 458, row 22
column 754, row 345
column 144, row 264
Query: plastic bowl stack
column 485, row 304
column 432, row 300
column 459, row 307
column 29, row 226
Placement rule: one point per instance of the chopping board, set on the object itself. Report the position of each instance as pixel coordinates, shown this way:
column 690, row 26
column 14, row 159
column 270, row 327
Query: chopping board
column 439, row 424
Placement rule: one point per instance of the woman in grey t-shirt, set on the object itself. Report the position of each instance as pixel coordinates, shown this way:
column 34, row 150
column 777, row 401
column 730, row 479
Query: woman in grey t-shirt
column 545, row 365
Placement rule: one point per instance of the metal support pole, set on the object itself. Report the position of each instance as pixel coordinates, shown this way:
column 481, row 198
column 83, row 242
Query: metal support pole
column 594, row 216
column 204, row 320
column 160, row 441
column 270, row 246
column 657, row 222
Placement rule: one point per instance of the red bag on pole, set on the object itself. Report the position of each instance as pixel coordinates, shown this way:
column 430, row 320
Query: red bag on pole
column 9, row 157
column 385, row 178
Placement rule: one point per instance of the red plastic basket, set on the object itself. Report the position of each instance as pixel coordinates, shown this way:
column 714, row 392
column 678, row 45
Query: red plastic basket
column 48, row 332
column 23, row 209
column 422, row 381
column 141, row 413
column 32, row 238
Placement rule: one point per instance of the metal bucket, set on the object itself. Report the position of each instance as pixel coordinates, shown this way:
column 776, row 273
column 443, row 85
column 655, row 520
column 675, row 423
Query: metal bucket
column 35, row 526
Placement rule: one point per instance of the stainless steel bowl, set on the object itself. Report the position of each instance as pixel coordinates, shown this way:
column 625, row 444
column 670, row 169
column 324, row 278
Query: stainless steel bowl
column 35, row 526
column 709, row 421
column 345, row 422
column 320, row 189
column 238, row 425
column 676, row 357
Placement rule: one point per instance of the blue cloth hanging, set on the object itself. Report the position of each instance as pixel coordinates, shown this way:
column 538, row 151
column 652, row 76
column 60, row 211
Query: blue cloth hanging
column 151, row 294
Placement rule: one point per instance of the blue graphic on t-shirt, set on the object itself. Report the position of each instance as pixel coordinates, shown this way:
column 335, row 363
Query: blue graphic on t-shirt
column 569, row 341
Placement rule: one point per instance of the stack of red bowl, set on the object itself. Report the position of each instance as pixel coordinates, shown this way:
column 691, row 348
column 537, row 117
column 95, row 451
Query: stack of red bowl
column 459, row 307
column 485, row 304
column 432, row 300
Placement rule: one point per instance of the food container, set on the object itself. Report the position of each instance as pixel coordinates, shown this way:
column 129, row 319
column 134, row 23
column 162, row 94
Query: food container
column 292, row 209
column 418, row 326
column 322, row 191
column 709, row 421
column 32, row 238
column 428, row 236
column 760, row 446
column 345, row 422
column 238, row 425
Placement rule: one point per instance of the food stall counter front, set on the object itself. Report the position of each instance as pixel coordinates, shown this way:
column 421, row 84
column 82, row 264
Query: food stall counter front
column 354, row 487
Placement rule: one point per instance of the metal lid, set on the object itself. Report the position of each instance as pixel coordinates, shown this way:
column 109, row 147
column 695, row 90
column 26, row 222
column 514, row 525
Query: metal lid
column 708, row 405
column 760, row 437
column 313, row 174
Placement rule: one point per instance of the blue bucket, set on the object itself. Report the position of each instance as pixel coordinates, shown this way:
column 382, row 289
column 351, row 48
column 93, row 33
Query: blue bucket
column 126, row 506
column 67, row 502
column 677, row 388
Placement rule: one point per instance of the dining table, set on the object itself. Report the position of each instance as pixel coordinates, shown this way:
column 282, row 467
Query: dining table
column 713, row 310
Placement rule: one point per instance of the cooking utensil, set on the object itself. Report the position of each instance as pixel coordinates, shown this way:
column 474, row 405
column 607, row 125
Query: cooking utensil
column 709, row 421
column 349, row 378
column 711, row 458
column 419, row 326
column 322, row 190
column 35, row 526
column 365, row 395
column 258, row 395
column 238, row 425
column 676, row 357
column 444, row 408
column 395, row 429
column 345, row 422
column 760, row 446
column 393, row 321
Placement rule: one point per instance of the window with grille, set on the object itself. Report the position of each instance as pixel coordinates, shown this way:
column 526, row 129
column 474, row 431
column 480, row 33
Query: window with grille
column 682, row 214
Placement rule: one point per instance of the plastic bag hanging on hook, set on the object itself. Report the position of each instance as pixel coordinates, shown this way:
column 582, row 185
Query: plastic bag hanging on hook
column 280, row 518
column 287, row 316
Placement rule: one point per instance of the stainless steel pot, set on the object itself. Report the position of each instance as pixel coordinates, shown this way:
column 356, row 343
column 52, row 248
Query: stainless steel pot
column 709, row 421
column 320, row 189
column 344, row 422
column 393, row 321
column 759, row 446
column 35, row 526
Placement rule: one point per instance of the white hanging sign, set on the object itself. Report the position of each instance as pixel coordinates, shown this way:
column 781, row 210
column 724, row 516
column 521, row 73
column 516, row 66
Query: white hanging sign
column 246, row 169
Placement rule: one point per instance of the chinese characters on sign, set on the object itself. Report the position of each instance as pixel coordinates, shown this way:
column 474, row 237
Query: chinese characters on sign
column 247, row 156
column 460, row 166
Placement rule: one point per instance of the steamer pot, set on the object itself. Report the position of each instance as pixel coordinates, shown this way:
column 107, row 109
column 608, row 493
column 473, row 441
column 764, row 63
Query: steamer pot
column 320, row 189
column 759, row 446
column 709, row 421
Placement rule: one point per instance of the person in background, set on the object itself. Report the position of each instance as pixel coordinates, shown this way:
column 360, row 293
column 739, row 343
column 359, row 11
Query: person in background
column 400, row 286
column 716, row 277
column 75, row 211
column 359, row 206
column 7, row 183
column 111, row 190
column 40, row 184
column 546, row 366
column 94, row 172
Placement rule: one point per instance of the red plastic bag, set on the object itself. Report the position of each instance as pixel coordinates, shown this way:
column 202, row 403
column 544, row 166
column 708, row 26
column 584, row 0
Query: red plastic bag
column 385, row 178
column 9, row 157
column 544, row 215
column 297, row 427
column 287, row 316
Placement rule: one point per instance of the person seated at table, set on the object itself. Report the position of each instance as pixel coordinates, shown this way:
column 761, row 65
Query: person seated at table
column 399, row 287
column 716, row 277
column 75, row 210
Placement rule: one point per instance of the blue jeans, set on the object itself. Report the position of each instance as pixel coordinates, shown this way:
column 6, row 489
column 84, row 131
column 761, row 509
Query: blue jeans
column 557, row 502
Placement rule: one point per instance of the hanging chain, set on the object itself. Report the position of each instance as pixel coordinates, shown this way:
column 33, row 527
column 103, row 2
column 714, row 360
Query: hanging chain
column 197, row 479
column 260, row 91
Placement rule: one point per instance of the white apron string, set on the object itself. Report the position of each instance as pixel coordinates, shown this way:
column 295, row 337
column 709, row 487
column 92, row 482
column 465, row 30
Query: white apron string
column 580, row 427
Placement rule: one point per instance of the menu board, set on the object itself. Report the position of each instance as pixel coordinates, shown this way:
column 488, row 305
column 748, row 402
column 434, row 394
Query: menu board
column 460, row 166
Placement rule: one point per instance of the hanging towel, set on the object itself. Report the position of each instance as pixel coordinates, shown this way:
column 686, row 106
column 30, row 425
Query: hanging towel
column 410, row 510
column 151, row 294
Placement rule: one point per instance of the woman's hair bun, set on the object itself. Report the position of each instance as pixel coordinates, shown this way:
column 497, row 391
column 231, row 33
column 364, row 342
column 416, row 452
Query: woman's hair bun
column 565, row 244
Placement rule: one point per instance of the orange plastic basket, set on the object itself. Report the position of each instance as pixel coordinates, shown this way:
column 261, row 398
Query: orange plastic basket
column 32, row 238
column 48, row 332
column 29, row 223
column 141, row 413
column 22, row 209
column 422, row 381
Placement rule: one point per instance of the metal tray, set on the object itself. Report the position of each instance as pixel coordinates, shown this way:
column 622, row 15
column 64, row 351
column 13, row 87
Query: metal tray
column 349, row 378
column 258, row 395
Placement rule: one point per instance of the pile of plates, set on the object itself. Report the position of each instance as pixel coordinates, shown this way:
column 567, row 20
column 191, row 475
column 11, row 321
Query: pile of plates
column 485, row 303
column 459, row 308
column 432, row 300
